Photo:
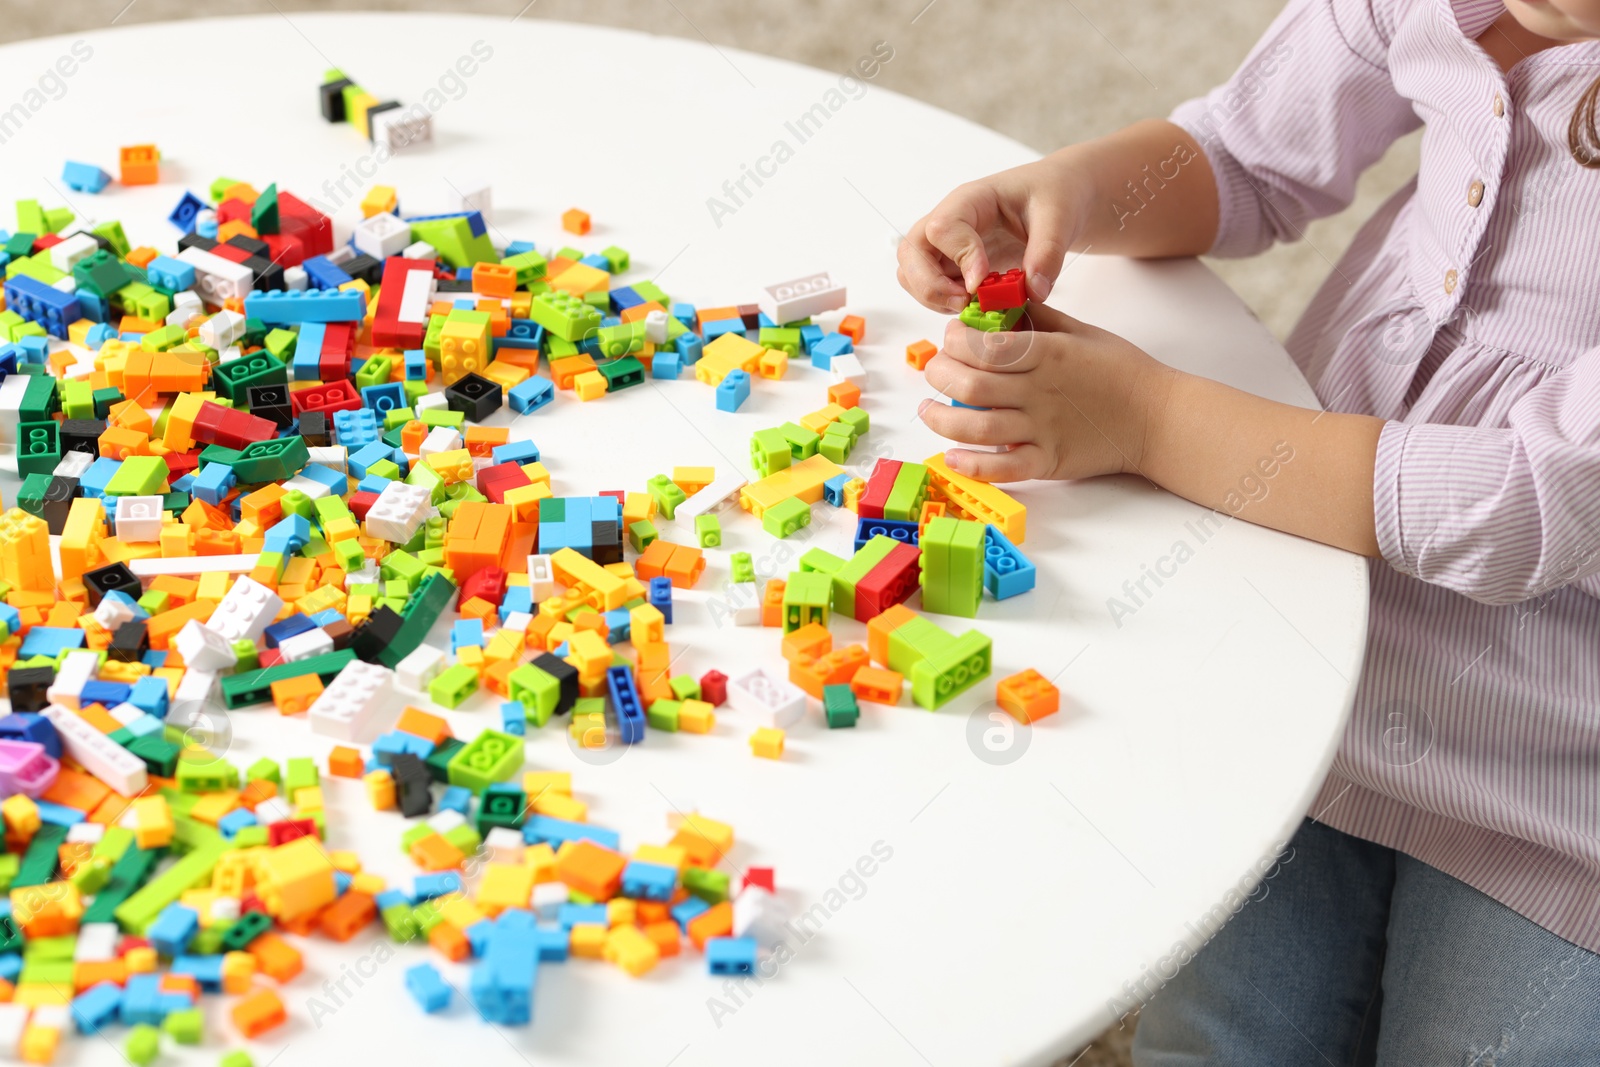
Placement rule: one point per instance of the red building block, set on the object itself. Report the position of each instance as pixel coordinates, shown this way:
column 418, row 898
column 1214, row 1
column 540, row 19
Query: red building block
column 714, row 688
column 1002, row 292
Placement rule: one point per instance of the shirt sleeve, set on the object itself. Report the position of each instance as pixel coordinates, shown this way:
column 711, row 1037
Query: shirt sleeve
column 1498, row 514
column 1312, row 107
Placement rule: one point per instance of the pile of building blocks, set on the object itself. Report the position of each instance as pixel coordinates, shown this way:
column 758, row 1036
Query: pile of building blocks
column 271, row 462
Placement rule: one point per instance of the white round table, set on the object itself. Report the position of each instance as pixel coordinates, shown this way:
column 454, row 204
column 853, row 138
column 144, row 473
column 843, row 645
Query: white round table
column 973, row 895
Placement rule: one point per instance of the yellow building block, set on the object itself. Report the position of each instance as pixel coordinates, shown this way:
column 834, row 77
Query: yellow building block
column 152, row 822
column 588, row 940
column 803, row 480
column 21, row 815
column 541, row 859
column 295, row 879
column 665, row 855
column 537, row 783
column 505, row 885
column 575, row 570
column 629, row 949
column 767, row 743
column 560, row 806
column 462, row 913
column 380, row 789
column 731, row 351
column 982, row 501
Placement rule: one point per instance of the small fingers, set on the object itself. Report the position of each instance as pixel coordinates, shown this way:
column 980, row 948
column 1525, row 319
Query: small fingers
column 932, row 281
column 1006, row 351
column 1019, row 464
column 979, row 388
column 997, row 426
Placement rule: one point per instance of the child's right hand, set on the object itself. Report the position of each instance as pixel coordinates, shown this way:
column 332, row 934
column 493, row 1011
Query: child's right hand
column 1026, row 217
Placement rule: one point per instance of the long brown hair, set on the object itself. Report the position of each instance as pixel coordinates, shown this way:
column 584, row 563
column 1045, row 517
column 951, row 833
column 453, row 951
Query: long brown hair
column 1583, row 136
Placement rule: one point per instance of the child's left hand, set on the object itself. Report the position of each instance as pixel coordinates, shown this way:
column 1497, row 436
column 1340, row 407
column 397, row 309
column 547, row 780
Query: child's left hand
column 1071, row 400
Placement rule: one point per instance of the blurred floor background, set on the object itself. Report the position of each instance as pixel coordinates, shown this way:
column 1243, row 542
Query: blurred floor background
column 1046, row 72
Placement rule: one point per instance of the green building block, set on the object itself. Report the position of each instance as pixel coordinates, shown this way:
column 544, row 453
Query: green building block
column 708, row 530
column 235, row 378
column 453, row 685
column 952, row 566
column 264, row 768
column 802, row 442
column 185, row 1027
column 39, row 862
column 530, row 267
column 91, row 876
column 39, row 400
column 641, row 533
column 254, row 687
column 837, row 444
column 666, row 495
column 38, row 447
column 663, row 715
column 270, row 461
column 684, row 687
column 821, row 561
column 536, row 690
column 806, row 599
column 741, row 568
column 464, row 837
column 492, row 756
column 965, row 662
column 300, row 773
column 974, row 316
column 128, row 873
column 786, row 516
column 401, row 923
column 243, row 931
column 839, row 706
column 785, row 339
column 143, row 1045
column 769, row 452
column 563, row 315
column 138, row 911
column 206, row 775
column 868, row 556
column 622, row 339
column 622, row 373
column 910, row 489
column 237, row 1058
column 710, row 886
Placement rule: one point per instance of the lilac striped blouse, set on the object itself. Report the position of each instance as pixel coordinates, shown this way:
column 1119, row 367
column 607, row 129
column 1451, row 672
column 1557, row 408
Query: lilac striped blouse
column 1467, row 313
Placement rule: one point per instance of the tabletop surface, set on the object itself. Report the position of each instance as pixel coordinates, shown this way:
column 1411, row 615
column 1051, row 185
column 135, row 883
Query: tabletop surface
column 973, row 892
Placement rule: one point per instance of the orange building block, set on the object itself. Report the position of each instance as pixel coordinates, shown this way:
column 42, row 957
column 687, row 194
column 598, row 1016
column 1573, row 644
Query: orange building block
column 345, row 917
column 772, row 602
column 292, row 696
column 853, row 327
column 879, row 629
column 808, row 642
column 276, row 958
column 877, row 684
column 591, row 869
column 845, row 394
column 258, row 1013
column 139, row 164
column 838, row 667
column 419, row 723
column 449, row 942
column 345, row 762
column 1028, row 696
column 716, row 921
column 919, row 352
column 575, row 221
column 436, row 853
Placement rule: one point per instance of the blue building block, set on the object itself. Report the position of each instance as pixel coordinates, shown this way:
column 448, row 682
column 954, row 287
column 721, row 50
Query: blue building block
column 380, row 399
column 280, row 307
column 387, row 746
column 427, row 988
column 416, row 365
column 106, row 694
column 474, row 219
column 186, row 211
column 833, row 489
column 618, row 626
column 355, row 429
column 465, row 633
column 626, row 703
column 84, row 177
column 689, row 347
column 867, row 529
column 518, row 452
column 97, row 1006
column 684, row 313
column 359, row 460
column 570, row 915
column 1006, row 571
column 150, row 695
column 98, row 335
column 810, row 334
column 428, row 886
column 543, row 829
column 390, row 898
column 288, row 535
column 717, row 327
column 517, row 598
column 521, row 333
column 306, row 365
column 833, row 344
column 58, row 814
column 503, row 981
column 554, row 944
column 666, row 365
column 733, row 391
column 174, row 275
column 38, row 302
column 27, row 726
column 50, row 641
column 686, row 909
column 649, row 881
column 236, row 820
column 661, row 597
column 212, row 483
column 206, row 970
column 285, row 628
column 93, row 481
column 529, row 396
column 731, row 955
column 456, row 798
column 324, row 273
column 513, row 718
column 327, row 476
column 173, row 929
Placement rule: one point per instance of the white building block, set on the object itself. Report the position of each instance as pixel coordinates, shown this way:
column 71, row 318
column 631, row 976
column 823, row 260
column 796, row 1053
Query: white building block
column 138, row 518
column 73, row 463
column 189, row 566
column 65, row 254
column 217, row 279
column 85, row 833
column 113, row 612
column 547, row 899
column 334, row 457
column 770, row 700
column 446, row 820
column 655, row 327
column 721, row 494
column 399, row 512
column 801, row 298
column 382, row 235
column 99, row 755
column 348, row 704
column 77, row 670
column 847, row 368
column 96, row 942
column 197, row 690
column 271, row 810
column 401, row 127
column 246, row 611
column 759, row 914
column 204, row 649
column 296, row 279
column 13, row 1021
column 301, row 646
column 419, row 668
column 440, row 438
column 417, row 294
column 309, row 486
column 419, row 250
column 504, row 845
column 746, row 600
column 541, row 577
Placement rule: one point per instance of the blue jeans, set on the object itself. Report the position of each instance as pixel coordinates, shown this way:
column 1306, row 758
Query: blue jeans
column 1360, row 955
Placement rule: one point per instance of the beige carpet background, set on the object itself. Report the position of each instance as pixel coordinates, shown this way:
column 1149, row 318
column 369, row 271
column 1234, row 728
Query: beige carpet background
column 1046, row 72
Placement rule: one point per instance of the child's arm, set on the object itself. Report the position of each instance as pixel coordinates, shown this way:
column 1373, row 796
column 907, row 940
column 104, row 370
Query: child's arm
column 1146, row 190
column 1085, row 402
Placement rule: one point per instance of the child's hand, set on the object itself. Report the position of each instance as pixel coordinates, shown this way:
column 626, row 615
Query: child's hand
column 1070, row 400
column 1028, row 216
